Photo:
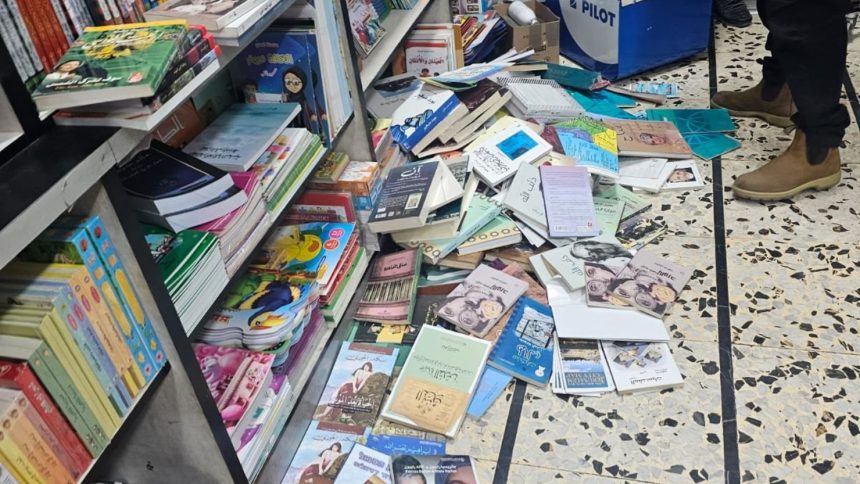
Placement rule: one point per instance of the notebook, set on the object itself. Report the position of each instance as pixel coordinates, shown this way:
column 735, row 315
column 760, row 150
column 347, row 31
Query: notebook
column 542, row 99
column 524, row 350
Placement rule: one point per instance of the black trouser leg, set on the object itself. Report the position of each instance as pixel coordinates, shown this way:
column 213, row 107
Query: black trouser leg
column 808, row 42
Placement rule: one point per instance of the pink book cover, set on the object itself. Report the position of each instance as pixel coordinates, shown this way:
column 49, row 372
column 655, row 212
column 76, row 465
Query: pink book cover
column 234, row 376
column 247, row 181
column 390, row 294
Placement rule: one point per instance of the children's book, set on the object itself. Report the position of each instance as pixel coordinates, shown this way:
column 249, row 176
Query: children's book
column 323, row 452
column 111, row 63
column 436, row 469
column 478, row 303
column 437, row 381
column 493, row 383
column 240, row 135
column 694, row 120
column 497, row 158
column 365, row 465
column 357, row 384
column 638, row 367
column 389, row 297
column 365, row 24
column 651, row 283
column 592, row 143
column 649, row 138
column 524, row 350
column 568, row 201
column 307, row 252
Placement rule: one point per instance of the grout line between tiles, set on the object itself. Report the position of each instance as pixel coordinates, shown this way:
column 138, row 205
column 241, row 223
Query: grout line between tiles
column 509, row 438
column 724, row 326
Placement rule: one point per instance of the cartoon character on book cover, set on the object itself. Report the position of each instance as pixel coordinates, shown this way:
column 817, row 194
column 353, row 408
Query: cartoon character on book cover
column 262, row 301
column 357, row 385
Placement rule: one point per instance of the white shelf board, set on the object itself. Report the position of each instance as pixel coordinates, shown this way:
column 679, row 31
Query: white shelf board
column 269, row 220
column 397, row 25
column 7, row 138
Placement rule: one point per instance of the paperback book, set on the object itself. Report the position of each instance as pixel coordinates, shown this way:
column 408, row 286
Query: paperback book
column 525, row 348
column 638, row 367
column 365, row 465
column 649, row 138
column 568, row 201
column 497, row 158
column 481, row 300
column 581, row 368
column 435, row 469
column 323, row 452
column 307, row 252
column 651, row 283
column 389, row 297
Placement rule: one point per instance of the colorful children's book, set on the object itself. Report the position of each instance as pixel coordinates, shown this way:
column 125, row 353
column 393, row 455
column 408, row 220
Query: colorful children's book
column 524, row 350
column 111, row 63
column 568, row 201
column 437, row 381
column 323, row 452
column 593, row 144
column 307, row 252
column 240, row 135
column 651, row 283
column 478, row 303
column 357, row 384
column 390, row 293
column 638, row 367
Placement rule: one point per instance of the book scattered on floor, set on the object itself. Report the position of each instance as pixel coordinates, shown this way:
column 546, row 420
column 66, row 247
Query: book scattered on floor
column 542, row 99
column 443, row 468
column 689, row 121
column 592, row 143
column 525, row 348
column 394, row 444
column 498, row 157
column 601, row 271
column 638, row 367
column 323, row 451
column 478, row 303
column 651, row 283
column 683, row 175
column 580, row 368
column 579, row 321
column 493, row 383
column 365, row 465
column 387, row 94
column 389, row 297
column 425, row 115
column 434, row 387
column 708, row 146
column 649, row 138
column 568, row 201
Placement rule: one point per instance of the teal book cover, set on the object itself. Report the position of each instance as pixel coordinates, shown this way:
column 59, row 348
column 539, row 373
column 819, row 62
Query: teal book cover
column 571, row 77
column 524, row 350
column 694, row 120
column 708, row 146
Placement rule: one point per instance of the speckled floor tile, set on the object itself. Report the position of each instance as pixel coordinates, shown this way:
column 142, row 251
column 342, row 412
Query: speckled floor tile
column 634, row 437
column 797, row 415
column 483, row 437
column 528, row 473
column 748, row 40
column 693, row 317
column 692, row 77
column 689, row 212
column 486, row 469
column 811, row 216
column 778, row 295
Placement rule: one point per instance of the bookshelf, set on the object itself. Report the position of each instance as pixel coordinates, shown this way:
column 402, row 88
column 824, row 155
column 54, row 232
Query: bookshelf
column 174, row 431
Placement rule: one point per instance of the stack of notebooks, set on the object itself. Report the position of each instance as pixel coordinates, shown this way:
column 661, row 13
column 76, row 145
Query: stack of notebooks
column 192, row 268
column 122, row 89
column 72, row 365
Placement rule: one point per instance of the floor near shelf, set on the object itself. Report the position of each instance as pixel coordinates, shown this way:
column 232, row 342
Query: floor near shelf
column 789, row 352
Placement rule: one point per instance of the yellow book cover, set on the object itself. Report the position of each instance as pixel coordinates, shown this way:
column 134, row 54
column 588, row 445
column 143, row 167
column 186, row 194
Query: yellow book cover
column 9, row 469
column 9, row 316
column 28, row 440
column 98, row 313
column 42, row 328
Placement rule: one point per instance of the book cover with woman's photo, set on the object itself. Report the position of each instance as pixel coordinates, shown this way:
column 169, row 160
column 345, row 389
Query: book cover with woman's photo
column 357, row 384
column 112, row 63
column 651, row 283
column 434, row 469
column 323, row 452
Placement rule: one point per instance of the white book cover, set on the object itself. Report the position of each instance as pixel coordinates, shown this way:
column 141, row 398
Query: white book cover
column 648, row 174
column 499, row 157
column 386, row 95
column 640, row 366
column 424, row 113
column 683, row 175
column 525, row 197
column 569, row 261
column 585, row 322
column 365, row 465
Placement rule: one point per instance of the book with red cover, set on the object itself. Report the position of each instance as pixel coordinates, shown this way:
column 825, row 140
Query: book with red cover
column 18, row 375
column 321, row 206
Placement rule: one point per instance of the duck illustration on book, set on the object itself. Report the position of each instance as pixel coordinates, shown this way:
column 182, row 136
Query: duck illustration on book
column 267, row 295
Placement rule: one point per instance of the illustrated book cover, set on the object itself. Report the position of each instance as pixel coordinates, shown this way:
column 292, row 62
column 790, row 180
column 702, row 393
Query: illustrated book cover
column 641, row 366
column 478, row 303
column 525, row 348
column 651, row 283
column 389, row 297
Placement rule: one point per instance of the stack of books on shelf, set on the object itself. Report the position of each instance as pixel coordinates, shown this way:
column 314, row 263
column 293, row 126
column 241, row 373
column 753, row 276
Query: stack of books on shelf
column 228, row 21
column 77, row 351
column 94, row 85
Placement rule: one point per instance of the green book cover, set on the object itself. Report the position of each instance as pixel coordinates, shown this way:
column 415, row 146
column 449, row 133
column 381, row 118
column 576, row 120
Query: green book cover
column 112, row 63
column 176, row 254
column 437, row 381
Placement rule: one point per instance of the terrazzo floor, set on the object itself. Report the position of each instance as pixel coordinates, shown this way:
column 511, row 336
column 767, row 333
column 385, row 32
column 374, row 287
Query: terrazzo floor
column 771, row 392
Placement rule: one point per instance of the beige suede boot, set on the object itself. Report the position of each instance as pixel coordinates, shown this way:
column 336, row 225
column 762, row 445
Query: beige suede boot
column 749, row 104
column 789, row 174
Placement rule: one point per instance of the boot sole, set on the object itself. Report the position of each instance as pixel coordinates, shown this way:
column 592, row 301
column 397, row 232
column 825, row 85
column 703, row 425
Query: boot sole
column 781, row 121
column 820, row 184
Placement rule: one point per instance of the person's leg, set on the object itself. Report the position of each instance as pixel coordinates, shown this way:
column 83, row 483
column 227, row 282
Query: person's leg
column 770, row 99
column 809, row 43
column 732, row 12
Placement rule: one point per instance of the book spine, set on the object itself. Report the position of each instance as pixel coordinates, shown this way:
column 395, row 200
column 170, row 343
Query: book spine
column 115, row 12
column 65, row 377
column 53, row 444
column 130, row 299
column 19, row 375
column 68, row 405
column 46, row 20
column 32, row 446
column 84, row 12
column 83, row 381
column 188, row 76
column 18, row 461
column 14, row 46
column 8, row 475
column 74, row 18
column 94, row 374
column 38, row 36
column 18, row 24
column 65, row 28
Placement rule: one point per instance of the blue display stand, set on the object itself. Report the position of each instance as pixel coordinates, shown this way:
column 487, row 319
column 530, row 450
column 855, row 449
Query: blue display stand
column 621, row 38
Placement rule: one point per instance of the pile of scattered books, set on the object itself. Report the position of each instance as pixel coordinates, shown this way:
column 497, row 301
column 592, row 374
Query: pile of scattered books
column 77, row 350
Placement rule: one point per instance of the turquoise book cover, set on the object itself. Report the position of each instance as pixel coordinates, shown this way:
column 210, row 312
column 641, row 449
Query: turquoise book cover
column 694, row 120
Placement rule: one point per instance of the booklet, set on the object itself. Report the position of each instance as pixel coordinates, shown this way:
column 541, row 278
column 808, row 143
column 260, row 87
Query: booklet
column 568, row 201
column 638, row 367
